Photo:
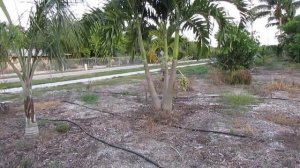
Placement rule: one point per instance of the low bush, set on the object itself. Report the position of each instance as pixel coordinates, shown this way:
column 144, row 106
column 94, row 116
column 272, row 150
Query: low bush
column 62, row 127
column 235, row 77
column 238, row 77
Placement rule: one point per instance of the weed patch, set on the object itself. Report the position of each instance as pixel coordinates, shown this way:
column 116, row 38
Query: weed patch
column 283, row 119
column 90, row 98
column 25, row 163
column 237, row 103
column 282, row 85
column 194, row 70
column 244, row 127
column 242, row 99
column 235, row 77
column 62, row 127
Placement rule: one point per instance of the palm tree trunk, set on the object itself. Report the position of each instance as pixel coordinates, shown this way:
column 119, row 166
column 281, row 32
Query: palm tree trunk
column 153, row 93
column 168, row 101
column 165, row 69
column 31, row 128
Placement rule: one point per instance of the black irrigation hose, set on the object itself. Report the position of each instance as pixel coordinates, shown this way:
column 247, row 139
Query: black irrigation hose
column 107, row 143
column 209, row 131
column 175, row 126
column 87, row 107
column 113, row 93
column 101, row 111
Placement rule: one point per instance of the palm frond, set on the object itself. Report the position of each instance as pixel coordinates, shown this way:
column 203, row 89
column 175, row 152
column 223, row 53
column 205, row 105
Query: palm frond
column 4, row 9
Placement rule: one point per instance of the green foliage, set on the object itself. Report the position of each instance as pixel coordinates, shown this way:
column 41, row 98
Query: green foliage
column 4, row 10
column 266, row 52
column 20, row 145
column 90, row 98
column 184, row 82
column 238, row 100
column 55, row 164
column 26, row 163
column 291, row 40
column 195, row 70
column 62, row 127
column 236, row 49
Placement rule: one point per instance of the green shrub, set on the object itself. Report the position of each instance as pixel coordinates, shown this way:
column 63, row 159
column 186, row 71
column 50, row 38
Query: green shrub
column 237, row 49
column 90, row 98
column 62, row 127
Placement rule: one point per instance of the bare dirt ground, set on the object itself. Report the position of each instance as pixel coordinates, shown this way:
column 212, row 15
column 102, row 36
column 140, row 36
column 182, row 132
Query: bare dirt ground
column 272, row 127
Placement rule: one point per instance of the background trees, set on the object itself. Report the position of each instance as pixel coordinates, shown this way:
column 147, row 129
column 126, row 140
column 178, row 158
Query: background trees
column 278, row 12
column 291, row 38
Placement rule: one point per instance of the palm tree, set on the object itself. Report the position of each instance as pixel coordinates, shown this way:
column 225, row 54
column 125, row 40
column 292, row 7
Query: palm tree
column 51, row 32
column 186, row 16
column 278, row 12
column 179, row 14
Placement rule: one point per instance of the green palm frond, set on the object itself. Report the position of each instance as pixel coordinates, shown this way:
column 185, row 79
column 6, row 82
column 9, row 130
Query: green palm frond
column 4, row 9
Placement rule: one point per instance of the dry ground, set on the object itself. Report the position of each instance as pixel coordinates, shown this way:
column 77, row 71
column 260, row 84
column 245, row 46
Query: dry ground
column 273, row 127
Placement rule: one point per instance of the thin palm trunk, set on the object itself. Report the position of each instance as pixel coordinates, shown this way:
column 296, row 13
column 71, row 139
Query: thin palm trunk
column 153, row 93
column 31, row 125
column 168, row 101
column 165, row 69
column 31, row 128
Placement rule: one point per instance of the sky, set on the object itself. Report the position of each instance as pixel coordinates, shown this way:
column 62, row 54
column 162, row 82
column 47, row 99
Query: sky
column 19, row 11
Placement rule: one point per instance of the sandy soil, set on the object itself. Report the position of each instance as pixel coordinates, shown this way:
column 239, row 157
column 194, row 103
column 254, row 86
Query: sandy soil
column 273, row 127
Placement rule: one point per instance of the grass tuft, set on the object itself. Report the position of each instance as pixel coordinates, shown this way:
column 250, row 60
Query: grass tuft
column 90, row 98
column 238, row 100
column 25, row 163
column 194, row 70
column 283, row 85
column 62, row 127
column 283, row 119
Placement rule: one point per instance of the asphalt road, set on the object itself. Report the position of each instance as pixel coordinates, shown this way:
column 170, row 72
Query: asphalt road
column 85, row 80
column 11, row 78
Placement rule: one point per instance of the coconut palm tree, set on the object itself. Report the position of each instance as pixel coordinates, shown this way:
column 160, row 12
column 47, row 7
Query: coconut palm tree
column 278, row 12
column 51, row 32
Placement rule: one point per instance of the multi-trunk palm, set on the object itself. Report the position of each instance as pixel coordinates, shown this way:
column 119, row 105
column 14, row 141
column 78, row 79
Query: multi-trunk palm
column 182, row 15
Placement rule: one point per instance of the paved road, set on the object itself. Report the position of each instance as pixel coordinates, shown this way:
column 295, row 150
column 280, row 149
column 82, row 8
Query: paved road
column 19, row 89
column 9, row 79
